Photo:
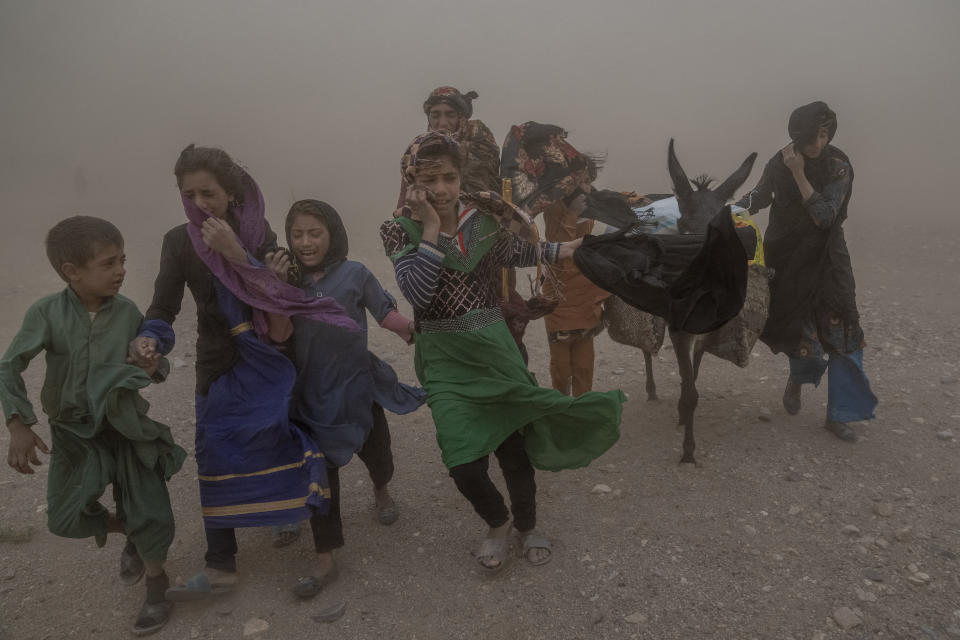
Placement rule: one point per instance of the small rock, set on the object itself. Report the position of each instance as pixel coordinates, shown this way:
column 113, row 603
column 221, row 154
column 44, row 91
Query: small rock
column 10, row 575
column 945, row 435
column 912, row 567
column 601, row 489
column 904, row 535
column 224, row 611
column 948, row 380
column 608, row 468
column 636, row 618
column 850, row 530
column 619, row 371
column 884, row 509
column 253, row 626
column 882, row 543
column 750, row 529
column 331, row 613
column 792, row 476
column 866, row 596
column 794, row 510
column 765, row 415
column 42, row 508
column 178, row 363
column 766, row 588
column 918, row 420
column 847, row 618
column 874, row 574
column 919, row 578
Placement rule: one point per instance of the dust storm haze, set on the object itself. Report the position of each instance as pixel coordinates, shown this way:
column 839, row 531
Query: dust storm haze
column 320, row 99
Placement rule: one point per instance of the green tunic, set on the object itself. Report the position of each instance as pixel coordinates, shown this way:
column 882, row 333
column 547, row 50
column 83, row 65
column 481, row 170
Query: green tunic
column 99, row 427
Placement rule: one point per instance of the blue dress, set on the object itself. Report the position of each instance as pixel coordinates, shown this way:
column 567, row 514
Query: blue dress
column 338, row 379
column 255, row 467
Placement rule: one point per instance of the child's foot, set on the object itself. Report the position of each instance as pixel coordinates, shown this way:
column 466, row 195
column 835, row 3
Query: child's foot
column 209, row 582
column 286, row 534
column 387, row 511
column 327, row 572
column 537, row 549
column 156, row 609
column 131, row 565
column 492, row 555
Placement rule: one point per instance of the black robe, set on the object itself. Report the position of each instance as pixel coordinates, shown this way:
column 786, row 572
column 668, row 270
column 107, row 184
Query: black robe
column 813, row 306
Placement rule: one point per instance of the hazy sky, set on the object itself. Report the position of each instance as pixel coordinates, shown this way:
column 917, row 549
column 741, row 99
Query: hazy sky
column 319, row 99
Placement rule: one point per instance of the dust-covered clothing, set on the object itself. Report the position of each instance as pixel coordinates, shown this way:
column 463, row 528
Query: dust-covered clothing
column 99, row 427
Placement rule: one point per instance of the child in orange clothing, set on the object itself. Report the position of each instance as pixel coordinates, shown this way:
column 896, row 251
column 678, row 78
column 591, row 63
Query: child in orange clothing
column 572, row 326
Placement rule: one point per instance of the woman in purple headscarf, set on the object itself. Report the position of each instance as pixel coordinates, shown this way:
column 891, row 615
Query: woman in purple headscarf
column 255, row 468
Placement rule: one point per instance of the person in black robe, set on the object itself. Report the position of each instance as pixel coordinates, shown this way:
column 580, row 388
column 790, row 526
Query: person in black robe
column 813, row 309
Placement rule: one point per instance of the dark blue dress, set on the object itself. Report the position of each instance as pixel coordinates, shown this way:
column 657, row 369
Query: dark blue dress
column 338, row 379
column 255, row 467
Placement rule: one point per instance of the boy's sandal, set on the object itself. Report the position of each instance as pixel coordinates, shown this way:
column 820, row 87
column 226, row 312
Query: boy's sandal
column 309, row 586
column 537, row 541
column 493, row 549
column 286, row 534
column 131, row 565
column 197, row 587
column 152, row 618
column 388, row 515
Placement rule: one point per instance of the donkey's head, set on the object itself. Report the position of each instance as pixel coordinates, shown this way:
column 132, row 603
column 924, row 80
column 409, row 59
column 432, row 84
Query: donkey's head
column 698, row 207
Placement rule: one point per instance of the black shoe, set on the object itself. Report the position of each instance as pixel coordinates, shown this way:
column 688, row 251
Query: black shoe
column 842, row 430
column 155, row 611
column 131, row 565
column 791, row 397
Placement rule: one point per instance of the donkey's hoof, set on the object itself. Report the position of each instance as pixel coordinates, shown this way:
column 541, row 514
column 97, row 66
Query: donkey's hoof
column 652, row 397
column 689, row 459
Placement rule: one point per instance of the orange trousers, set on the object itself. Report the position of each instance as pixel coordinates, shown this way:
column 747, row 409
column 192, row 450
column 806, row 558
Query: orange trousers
column 571, row 365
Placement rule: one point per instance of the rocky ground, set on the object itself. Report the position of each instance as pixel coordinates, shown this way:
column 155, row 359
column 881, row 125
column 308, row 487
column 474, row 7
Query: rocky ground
column 783, row 531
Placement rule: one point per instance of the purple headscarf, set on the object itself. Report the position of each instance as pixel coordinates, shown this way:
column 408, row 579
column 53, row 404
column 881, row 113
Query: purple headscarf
column 258, row 286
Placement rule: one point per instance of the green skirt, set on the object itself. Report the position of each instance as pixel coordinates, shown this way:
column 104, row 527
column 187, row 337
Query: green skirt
column 480, row 392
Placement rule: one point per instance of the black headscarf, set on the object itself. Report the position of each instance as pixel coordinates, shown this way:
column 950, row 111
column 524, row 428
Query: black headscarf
column 337, row 252
column 806, row 121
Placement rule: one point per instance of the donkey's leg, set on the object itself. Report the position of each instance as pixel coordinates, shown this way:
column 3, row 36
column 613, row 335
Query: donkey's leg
column 697, row 357
column 651, row 383
column 682, row 343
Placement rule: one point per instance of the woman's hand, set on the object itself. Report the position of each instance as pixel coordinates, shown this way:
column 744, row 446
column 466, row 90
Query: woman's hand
column 420, row 206
column 567, row 248
column 792, row 159
column 278, row 262
column 142, row 352
column 218, row 235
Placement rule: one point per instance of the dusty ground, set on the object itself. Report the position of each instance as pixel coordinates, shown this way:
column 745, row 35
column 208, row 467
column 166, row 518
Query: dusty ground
column 781, row 526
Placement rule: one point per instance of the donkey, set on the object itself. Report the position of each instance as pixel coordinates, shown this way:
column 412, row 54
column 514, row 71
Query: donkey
column 697, row 208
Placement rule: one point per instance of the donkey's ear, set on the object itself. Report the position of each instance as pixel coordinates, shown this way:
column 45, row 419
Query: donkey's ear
column 736, row 179
column 681, row 184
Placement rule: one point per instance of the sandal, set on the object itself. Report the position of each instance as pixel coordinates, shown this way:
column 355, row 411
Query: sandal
column 152, row 618
column 388, row 515
column 791, row 397
column 536, row 541
column 131, row 565
column 286, row 534
column 494, row 549
column 197, row 587
column 309, row 586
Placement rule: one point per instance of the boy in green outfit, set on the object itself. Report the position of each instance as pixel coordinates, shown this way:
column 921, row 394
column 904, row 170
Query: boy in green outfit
column 98, row 423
